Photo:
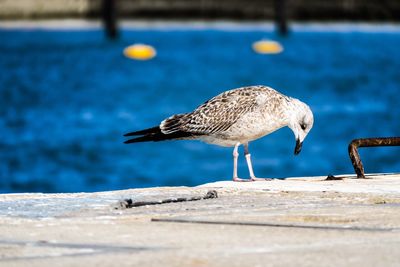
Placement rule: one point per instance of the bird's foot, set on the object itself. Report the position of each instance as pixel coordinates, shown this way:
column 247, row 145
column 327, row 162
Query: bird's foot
column 237, row 179
column 253, row 179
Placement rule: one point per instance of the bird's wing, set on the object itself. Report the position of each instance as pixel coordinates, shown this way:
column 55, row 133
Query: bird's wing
column 221, row 112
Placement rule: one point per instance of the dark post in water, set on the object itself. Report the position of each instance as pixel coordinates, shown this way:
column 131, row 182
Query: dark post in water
column 109, row 18
column 281, row 16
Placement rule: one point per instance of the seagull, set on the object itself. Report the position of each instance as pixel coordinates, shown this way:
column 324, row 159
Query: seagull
column 235, row 118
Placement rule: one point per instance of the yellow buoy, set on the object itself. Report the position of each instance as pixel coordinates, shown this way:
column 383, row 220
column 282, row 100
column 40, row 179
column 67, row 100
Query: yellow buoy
column 140, row 52
column 267, row 47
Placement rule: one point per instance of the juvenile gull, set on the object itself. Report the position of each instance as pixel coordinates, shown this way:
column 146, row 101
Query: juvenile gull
column 235, row 118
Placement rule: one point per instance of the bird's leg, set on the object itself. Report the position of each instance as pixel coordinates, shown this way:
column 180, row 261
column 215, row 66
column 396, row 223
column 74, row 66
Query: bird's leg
column 235, row 161
column 250, row 166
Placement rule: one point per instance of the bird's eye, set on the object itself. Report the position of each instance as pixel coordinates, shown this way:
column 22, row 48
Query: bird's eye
column 303, row 126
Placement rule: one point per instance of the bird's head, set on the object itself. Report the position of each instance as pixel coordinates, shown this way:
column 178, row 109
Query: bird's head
column 301, row 121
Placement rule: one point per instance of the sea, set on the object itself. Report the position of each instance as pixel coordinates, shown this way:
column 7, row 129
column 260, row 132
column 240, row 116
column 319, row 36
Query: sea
column 68, row 94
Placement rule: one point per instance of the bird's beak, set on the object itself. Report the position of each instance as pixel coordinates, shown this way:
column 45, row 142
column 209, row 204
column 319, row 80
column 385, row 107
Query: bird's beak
column 297, row 149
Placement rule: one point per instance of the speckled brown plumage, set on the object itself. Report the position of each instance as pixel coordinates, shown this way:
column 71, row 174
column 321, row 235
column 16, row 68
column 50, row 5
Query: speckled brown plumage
column 219, row 113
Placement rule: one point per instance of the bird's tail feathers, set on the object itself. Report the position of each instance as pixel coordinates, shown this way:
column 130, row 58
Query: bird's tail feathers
column 169, row 129
column 172, row 124
column 156, row 135
column 152, row 130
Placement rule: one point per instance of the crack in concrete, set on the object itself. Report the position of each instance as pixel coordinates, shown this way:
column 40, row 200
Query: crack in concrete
column 271, row 224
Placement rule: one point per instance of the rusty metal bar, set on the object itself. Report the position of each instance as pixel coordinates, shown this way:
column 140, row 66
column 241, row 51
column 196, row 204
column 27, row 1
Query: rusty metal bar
column 368, row 142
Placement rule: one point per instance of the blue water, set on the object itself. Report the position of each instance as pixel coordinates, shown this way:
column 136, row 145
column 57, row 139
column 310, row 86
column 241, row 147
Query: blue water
column 68, row 96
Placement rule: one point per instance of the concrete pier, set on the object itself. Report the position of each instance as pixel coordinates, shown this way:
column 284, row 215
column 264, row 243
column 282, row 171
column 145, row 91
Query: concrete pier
column 292, row 222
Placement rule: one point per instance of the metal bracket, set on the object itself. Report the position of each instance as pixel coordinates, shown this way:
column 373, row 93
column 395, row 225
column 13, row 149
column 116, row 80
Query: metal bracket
column 367, row 142
column 128, row 203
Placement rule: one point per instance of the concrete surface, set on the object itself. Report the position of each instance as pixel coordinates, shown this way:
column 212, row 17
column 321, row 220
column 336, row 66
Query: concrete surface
column 293, row 222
